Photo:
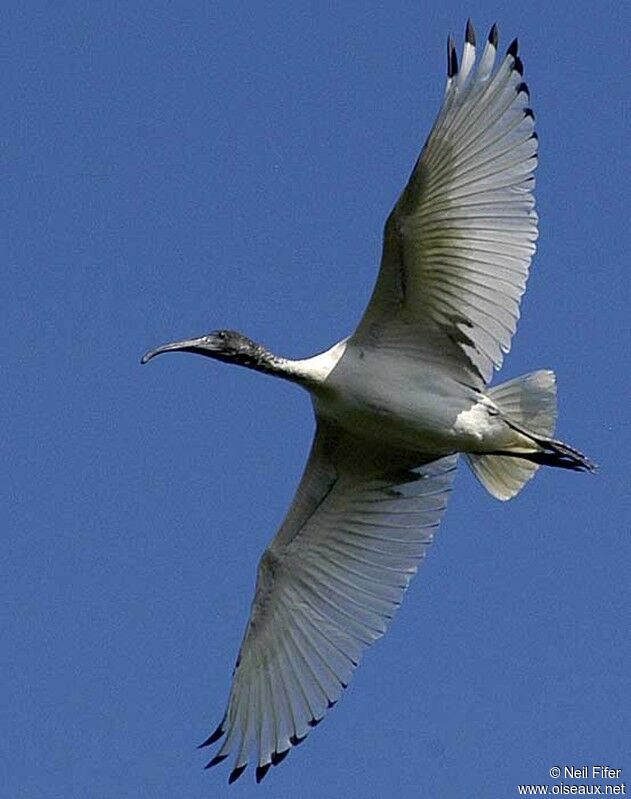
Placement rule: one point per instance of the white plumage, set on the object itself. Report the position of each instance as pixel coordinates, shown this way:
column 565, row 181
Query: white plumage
column 395, row 404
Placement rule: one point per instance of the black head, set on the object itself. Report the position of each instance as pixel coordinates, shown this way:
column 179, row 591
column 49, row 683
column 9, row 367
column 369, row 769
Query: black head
column 222, row 345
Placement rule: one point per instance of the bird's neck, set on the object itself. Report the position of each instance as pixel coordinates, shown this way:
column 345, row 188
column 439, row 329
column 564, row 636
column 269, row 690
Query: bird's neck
column 262, row 360
column 309, row 372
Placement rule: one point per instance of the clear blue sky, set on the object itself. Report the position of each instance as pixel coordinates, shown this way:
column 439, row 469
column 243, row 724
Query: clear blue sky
column 170, row 168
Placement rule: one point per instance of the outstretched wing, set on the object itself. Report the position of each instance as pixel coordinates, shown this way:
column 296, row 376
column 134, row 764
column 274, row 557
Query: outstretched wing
column 327, row 587
column 458, row 244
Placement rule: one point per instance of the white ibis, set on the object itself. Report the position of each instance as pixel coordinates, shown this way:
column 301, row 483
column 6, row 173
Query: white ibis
column 395, row 404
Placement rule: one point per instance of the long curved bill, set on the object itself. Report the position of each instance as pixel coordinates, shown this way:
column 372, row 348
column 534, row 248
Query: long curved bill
column 186, row 345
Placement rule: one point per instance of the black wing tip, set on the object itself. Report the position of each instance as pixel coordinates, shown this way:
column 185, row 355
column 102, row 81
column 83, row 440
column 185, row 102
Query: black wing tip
column 518, row 66
column 313, row 722
column 278, row 757
column 523, row 87
column 261, row 771
column 494, row 36
column 512, row 48
column 470, row 32
column 213, row 737
column 217, row 759
column 528, row 112
column 452, row 58
column 296, row 740
column 236, row 773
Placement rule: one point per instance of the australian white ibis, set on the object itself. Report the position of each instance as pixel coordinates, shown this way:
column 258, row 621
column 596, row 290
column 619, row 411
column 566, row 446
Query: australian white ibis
column 395, row 404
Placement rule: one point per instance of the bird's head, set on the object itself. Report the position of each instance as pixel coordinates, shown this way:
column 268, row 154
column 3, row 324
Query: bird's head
column 222, row 345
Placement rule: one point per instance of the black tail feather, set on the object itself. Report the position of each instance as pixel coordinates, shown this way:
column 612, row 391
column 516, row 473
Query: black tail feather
column 570, row 456
column 552, row 452
column 561, row 460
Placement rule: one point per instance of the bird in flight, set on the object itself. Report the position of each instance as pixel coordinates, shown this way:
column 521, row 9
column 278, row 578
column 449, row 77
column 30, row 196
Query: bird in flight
column 395, row 404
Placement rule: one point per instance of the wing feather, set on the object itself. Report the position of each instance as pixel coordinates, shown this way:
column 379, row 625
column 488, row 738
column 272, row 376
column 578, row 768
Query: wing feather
column 327, row 587
column 458, row 244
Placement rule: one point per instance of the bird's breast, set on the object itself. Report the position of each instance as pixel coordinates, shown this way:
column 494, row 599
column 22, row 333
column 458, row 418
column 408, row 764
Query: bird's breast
column 397, row 404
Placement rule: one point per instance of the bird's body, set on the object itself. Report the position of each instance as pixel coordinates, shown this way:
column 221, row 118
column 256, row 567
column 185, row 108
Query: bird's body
column 395, row 404
column 394, row 396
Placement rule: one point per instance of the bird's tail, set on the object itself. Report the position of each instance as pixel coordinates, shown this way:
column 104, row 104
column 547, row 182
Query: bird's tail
column 528, row 405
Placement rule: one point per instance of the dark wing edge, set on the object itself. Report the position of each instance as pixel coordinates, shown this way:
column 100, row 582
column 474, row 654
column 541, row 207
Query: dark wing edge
column 327, row 587
column 459, row 242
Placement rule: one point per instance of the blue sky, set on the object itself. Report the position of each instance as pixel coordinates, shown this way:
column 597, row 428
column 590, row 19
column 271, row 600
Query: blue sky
column 172, row 168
